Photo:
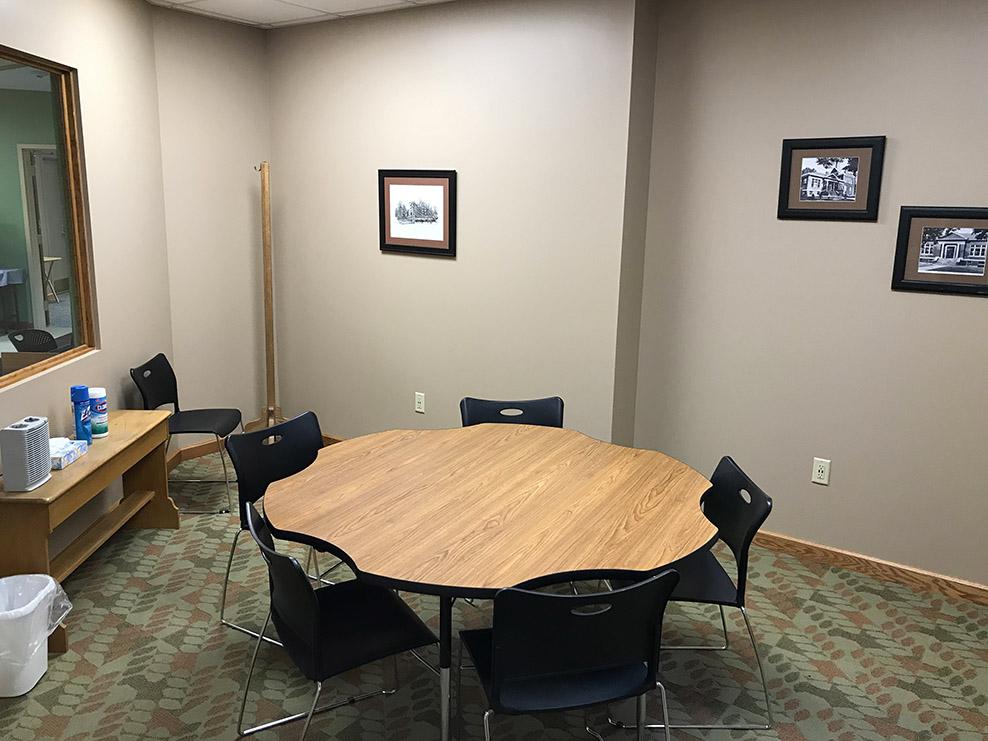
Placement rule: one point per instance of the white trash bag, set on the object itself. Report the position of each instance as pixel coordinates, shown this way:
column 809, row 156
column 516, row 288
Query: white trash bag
column 31, row 607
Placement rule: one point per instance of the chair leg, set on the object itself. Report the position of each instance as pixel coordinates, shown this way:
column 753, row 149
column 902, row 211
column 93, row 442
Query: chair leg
column 317, row 575
column 487, row 725
column 226, row 579
column 225, row 480
column 665, row 711
column 250, row 672
column 640, row 716
column 226, row 474
column 723, row 624
column 308, row 718
column 226, row 584
column 761, row 671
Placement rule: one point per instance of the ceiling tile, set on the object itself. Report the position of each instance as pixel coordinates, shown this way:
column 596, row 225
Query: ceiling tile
column 349, row 6
column 379, row 8
column 253, row 11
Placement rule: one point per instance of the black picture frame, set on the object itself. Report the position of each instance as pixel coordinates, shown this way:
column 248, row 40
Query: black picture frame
column 412, row 246
column 910, row 244
column 864, row 208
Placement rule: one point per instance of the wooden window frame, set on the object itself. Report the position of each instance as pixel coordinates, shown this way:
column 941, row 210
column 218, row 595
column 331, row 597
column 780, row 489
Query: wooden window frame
column 84, row 300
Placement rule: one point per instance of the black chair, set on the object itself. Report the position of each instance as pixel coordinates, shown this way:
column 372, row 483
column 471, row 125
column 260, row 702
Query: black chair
column 330, row 630
column 156, row 381
column 545, row 412
column 554, row 652
column 260, row 458
column 33, row 340
column 738, row 507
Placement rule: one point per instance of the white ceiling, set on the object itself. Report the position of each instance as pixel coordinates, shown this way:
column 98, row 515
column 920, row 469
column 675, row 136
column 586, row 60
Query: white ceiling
column 277, row 13
column 20, row 77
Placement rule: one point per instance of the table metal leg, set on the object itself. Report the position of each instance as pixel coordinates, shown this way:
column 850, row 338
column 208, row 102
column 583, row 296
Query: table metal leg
column 445, row 660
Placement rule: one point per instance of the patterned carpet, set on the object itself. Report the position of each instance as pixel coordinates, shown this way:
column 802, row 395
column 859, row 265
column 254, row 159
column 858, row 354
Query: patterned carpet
column 847, row 656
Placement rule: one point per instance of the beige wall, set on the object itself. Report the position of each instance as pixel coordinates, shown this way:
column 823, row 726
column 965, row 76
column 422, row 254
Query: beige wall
column 213, row 102
column 528, row 101
column 776, row 341
column 109, row 41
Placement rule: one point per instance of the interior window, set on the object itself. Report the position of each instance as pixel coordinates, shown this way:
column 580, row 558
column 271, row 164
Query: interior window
column 45, row 295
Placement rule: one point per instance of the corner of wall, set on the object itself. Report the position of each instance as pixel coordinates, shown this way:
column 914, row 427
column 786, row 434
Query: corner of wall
column 636, row 191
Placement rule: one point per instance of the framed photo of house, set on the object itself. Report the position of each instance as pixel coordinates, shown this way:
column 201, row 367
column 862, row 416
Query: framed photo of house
column 941, row 250
column 417, row 211
column 831, row 179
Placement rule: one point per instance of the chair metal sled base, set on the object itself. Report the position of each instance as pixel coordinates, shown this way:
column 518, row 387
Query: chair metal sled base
column 717, row 727
column 220, row 443
column 313, row 710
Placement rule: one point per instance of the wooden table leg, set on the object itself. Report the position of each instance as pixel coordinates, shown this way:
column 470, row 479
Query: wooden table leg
column 58, row 642
column 151, row 474
column 24, row 550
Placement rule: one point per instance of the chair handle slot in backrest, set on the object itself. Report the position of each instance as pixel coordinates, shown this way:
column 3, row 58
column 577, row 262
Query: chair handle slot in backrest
column 511, row 412
column 590, row 610
column 272, row 440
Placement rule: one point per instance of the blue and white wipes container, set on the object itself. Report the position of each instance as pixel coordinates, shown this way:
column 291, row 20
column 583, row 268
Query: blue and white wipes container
column 99, row 417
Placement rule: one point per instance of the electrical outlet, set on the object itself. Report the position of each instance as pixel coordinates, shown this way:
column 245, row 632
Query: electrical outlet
column 420, row 402
column 821, row 471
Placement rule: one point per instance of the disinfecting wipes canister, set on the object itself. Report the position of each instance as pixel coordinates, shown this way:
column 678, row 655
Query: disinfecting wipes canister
column 98, row 414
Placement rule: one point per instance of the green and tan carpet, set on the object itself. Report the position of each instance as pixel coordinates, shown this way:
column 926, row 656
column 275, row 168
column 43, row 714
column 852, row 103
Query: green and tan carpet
column 847, row 656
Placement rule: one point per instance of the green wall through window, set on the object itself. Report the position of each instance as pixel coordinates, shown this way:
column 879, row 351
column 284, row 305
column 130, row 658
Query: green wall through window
column 26, row 117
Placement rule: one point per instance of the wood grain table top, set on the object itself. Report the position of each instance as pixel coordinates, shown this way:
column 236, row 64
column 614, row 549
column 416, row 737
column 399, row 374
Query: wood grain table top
column 471, row 510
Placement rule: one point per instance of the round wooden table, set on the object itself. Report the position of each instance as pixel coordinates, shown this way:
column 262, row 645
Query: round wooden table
column 468, row 511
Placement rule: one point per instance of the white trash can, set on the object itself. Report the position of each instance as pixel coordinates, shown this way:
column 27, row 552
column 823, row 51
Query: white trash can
column 31, row 607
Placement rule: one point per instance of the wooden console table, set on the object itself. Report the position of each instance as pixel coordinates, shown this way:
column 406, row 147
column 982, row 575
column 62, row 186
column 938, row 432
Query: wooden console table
column 135, row 450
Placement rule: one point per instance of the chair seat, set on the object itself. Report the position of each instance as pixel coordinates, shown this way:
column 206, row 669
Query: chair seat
column 361, row 623
column 702, row 579
column 212, row 421
column 557, row 691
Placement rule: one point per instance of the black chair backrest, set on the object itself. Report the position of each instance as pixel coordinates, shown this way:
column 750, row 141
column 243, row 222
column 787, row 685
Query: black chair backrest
column 738, row 507
column 156, row 381
column 545, row 412
column 33, row 340
column 294, row 605
column 264, row 456
column 539, row 634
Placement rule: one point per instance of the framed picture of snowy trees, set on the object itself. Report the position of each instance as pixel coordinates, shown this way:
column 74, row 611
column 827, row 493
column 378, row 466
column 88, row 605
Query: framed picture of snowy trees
column 836, row 179
column 418, row 211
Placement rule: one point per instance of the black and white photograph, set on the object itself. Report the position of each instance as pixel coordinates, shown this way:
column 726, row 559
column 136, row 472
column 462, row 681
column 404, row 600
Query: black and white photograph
column 953, row 250
column 833, row 179
column 829, row 179
column 417, row 211
column 941, row 250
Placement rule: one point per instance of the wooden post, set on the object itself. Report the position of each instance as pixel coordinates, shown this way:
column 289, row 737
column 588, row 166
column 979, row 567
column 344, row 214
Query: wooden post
column 271, row 412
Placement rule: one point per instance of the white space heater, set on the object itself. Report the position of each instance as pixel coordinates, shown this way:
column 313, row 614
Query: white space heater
column 25, row 454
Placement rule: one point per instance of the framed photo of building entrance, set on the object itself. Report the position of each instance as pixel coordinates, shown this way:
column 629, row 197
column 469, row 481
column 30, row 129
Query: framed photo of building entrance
column 941, row 250
column 831, row 179
column 417, row 211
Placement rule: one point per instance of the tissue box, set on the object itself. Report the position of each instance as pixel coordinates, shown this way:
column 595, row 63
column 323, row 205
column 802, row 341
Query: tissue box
column 65, row 451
